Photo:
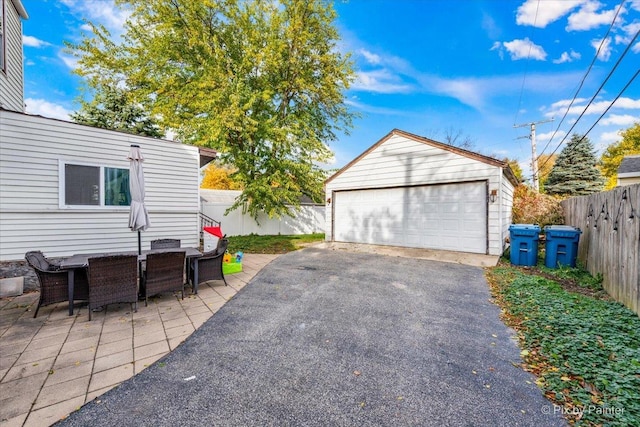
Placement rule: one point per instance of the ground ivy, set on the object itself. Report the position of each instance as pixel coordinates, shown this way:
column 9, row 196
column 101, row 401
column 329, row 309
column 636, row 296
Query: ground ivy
column 584, row 349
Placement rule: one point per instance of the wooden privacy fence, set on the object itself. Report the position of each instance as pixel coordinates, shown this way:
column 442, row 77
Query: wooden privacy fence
column 610, row 240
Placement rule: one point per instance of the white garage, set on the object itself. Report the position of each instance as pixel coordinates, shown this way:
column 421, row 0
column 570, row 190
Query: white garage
column 411, row 191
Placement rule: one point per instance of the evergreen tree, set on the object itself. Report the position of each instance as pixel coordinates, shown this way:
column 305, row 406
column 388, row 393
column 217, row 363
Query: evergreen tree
column 574, row 172
column 112, row 109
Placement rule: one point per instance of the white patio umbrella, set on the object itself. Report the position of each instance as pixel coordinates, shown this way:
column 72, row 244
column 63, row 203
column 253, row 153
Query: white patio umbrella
column 138, row 216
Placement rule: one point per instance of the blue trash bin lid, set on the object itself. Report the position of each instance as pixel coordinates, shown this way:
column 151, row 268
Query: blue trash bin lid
column 562, row 231
column 524, row 229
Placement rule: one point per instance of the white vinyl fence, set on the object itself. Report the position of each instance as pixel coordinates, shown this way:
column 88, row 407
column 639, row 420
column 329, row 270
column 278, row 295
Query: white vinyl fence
column 309, row 219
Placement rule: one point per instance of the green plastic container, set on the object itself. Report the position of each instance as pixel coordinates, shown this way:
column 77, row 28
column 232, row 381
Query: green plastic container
column 231, row 267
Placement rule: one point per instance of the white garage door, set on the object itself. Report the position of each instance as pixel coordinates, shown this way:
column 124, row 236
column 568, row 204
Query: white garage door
column 450, row 217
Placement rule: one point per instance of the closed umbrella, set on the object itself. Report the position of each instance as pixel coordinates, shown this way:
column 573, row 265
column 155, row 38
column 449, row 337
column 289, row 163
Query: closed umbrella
column 138, row 216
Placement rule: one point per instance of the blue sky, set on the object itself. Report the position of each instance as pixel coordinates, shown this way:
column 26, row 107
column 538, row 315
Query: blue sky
column 469, row 67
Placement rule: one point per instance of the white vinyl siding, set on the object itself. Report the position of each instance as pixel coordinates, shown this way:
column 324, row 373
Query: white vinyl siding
column 399, row 161
column 11, row 78
column 31, row 150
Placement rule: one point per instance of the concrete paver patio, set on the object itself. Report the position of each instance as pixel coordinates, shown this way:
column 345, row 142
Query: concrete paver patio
column 52, row 365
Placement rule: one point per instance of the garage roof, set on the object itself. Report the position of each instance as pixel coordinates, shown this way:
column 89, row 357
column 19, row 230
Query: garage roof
column 466, row 153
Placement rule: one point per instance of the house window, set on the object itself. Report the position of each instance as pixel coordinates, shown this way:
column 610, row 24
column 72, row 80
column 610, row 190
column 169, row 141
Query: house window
column 3, row 49
column 88, row 185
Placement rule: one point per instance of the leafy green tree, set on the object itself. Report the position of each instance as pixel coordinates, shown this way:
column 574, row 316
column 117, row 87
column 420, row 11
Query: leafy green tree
column 261, row 81
column 111, row 108
column 613, row 155
column 574, row 172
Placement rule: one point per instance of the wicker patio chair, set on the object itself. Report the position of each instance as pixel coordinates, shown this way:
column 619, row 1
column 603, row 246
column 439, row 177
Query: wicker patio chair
column 113, row 279
column 165, row 243
column 210, row 265
column 54, row 283
column 164, row 273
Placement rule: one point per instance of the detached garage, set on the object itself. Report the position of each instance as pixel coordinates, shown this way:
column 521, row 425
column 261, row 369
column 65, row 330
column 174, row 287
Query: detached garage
column 410, row 191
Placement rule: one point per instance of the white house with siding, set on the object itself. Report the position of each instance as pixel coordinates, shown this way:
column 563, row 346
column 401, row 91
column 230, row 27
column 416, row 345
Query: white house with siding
column 64, row 186
column 12, row 13
column 411, row 191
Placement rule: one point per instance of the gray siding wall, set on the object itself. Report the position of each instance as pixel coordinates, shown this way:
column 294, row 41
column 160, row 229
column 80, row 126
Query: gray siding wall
column 401, row 161
column 31, row 216
column 12, row 82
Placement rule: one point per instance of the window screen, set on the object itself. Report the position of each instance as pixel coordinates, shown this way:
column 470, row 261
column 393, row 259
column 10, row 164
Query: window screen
column 96, row 186
column 82, row 185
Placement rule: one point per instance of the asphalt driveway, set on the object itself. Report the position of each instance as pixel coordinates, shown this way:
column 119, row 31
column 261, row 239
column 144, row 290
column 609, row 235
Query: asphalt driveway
column 328, row 338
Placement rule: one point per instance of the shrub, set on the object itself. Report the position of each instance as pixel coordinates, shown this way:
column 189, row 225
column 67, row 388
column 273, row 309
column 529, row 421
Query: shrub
column 530, row 207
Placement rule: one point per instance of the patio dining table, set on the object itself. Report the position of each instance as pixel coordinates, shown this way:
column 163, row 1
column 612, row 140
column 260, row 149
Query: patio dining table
column 77, row 261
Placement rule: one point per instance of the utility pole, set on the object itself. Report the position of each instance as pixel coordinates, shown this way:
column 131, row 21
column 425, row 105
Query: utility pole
column 534, row 157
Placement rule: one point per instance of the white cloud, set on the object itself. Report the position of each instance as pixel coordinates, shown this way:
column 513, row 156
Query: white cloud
column 375, row 110
column 563, row 103
column 605, row 49
column 543, row 138
column 498, row 46
column 588, row 17
column 523, row 49
column 541, row 13
column 490, row 26
column 469, row 91
column 606, row 139
column 370, row 57
column 567, row 57
column 629, row 31
column 620, row 120
column 46, row 109
column 34, row 42
column 380, row 81
column 558, row 108
column 69, row 61
column 100, row 12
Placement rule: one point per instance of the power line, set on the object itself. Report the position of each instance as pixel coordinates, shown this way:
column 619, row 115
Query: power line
column 601, row 115
column 585, row 76
column 613, row 102
column 596, row 94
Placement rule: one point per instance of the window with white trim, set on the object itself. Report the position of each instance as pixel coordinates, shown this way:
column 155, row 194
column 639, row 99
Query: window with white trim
column 84, row 185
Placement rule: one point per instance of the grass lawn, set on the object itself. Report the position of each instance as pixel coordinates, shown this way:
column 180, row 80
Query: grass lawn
column 583, row 346
column 276, row 244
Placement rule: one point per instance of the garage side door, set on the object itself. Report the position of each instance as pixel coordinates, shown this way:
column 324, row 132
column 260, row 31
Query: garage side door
column 449, row 217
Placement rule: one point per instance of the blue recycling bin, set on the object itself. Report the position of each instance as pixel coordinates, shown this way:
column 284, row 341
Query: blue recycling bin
column 561, row 245
column 524, row 244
